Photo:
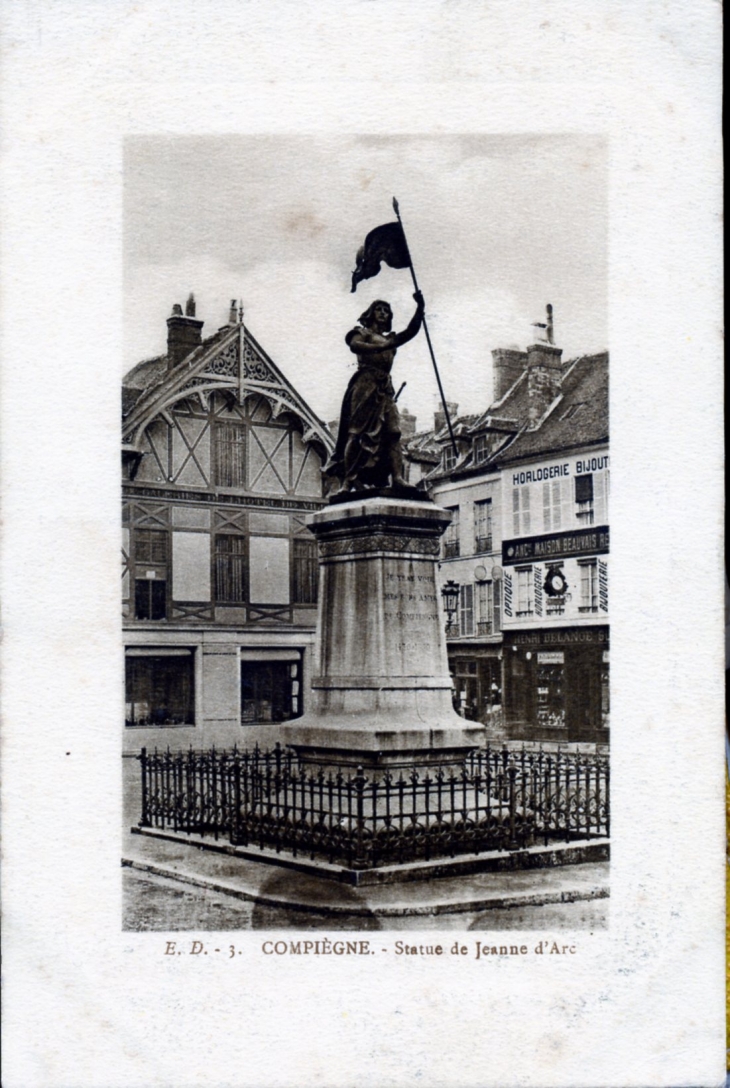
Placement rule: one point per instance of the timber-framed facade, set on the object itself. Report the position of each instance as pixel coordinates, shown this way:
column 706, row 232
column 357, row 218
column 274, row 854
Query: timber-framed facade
column 222, row 463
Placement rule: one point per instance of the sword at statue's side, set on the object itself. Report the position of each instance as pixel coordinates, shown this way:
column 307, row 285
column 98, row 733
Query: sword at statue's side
column 425, row 329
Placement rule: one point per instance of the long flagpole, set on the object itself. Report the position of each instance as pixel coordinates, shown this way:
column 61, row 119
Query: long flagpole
column 425, row 329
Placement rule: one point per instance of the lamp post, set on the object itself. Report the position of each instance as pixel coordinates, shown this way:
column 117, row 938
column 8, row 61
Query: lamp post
column 450, row 594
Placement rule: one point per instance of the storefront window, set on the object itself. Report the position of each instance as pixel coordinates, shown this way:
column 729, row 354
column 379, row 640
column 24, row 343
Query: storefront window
column 550, row 700
column 270, row 691
column 160, row 688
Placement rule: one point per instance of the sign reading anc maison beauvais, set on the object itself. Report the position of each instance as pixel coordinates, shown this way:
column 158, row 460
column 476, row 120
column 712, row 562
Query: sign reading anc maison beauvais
column 593, row 541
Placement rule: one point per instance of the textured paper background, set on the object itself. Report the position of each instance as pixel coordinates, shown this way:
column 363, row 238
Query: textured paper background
column 86, row 1005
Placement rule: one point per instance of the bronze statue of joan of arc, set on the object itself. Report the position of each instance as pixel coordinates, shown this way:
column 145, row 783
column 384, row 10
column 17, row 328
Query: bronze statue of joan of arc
column 368, row 451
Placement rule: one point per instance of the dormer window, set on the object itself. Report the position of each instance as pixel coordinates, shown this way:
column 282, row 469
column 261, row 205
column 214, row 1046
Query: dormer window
column 481, row 449
column 448, row 458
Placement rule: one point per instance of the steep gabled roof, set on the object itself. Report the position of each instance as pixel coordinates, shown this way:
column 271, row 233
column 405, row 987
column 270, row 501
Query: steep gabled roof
column 578, row 417
column 230, row 360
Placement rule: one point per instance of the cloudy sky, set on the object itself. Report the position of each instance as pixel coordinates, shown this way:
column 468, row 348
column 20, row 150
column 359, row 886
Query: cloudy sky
column 497, row 227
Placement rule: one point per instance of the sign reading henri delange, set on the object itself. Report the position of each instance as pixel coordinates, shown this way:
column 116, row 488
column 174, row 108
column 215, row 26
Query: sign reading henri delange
column 328, row 677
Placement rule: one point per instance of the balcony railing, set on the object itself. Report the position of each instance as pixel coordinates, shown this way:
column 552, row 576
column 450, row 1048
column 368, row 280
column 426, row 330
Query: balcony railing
column 555, row 608
column 483, row 544
column 451, row 549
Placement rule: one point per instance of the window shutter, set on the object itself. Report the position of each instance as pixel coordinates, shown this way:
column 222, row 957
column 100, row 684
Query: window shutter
column 467, row 610
column 566, row 503
column 546, row 507
column 600, row 494
column 497, row 606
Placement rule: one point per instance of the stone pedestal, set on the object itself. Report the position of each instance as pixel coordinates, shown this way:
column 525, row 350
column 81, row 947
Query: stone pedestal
column 381, row 693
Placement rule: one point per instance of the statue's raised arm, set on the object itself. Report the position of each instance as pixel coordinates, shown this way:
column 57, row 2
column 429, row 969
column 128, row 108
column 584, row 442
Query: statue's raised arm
column 368, row 452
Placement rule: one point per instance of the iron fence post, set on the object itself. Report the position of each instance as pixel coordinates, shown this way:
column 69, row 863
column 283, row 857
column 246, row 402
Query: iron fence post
column 360, row 861
column 144, row 820
column 512, row 773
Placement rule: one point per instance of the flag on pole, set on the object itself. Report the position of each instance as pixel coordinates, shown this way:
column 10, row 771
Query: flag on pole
column 386, row 243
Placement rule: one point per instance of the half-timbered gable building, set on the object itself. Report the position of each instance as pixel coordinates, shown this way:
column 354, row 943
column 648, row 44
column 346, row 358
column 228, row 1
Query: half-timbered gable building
column 222, row 464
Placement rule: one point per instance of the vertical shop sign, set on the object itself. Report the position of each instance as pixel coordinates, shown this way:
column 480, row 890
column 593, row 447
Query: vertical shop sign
column 603, row 585
column 538, row 590
column 507, row 594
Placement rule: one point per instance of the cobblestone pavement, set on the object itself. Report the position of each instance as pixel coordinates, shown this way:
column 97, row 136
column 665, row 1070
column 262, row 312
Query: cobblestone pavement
column 157, row 903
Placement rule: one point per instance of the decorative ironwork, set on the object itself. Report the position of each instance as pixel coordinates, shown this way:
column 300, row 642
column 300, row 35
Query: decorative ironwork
column 498, row 799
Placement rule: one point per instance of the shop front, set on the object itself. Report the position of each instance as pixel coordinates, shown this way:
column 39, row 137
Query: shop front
column 557, row 685
column 477, row 676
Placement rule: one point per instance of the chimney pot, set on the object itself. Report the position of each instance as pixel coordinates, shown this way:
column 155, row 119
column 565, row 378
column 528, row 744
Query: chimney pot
column 407, row 423
column 507, row 365
column 183, row 334
column 439, row 416
column 190, row 305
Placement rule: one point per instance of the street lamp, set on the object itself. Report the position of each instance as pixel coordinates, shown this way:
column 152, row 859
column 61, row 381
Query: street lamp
column 450, row 594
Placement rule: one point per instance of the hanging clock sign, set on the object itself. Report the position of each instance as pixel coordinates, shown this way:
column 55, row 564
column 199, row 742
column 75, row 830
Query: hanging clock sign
column 555, row 584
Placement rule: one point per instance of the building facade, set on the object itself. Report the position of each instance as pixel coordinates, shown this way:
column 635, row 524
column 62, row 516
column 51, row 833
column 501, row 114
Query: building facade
column 528, row 488
column 221, row 467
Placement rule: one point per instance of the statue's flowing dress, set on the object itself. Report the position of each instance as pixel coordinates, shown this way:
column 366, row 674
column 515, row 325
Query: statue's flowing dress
column 369, row 415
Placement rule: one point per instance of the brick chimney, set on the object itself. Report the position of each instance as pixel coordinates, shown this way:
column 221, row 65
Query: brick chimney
column 407, row 423
column 544, row 372
column 507, row 365
column 439, row 418
column 183, row 333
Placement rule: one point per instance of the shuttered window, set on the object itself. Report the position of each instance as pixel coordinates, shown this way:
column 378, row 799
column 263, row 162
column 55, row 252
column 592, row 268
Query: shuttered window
column 466, row 610
column 484, row 608
column 588, row 586
column 497, row 588
column 521, row 510
column 231, row 568
column 600, row 497
column 525, row 592
column 229, row 455
column 552, row 512
column 305, row 572
column 483, row 526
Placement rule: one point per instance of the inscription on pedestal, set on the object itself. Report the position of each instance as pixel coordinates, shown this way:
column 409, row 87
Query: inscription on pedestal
column 381, row 673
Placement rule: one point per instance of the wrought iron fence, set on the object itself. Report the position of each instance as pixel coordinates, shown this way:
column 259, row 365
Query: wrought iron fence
column 498, row 799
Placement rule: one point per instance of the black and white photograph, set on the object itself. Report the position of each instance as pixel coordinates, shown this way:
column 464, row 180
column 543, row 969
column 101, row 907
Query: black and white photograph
column 384, row 342
column 365, row 516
